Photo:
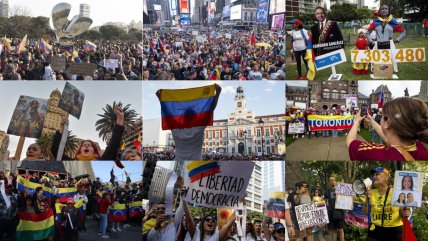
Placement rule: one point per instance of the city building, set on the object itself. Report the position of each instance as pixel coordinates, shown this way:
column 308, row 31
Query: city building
column 154, row 138
column 134, row 134
column 374, row 96
column 297, row 8
column 273, row 177
column 423, row 92
column 245, row 133
column 158, row 184
column 254, row 192
column 75, row 168
column 4, row 144
column 85, row 10
column 4, row 8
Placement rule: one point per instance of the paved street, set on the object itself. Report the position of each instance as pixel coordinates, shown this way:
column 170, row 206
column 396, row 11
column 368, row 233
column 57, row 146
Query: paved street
column 130, row 234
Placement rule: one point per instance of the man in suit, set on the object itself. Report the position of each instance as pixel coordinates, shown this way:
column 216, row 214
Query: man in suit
column 326, row 34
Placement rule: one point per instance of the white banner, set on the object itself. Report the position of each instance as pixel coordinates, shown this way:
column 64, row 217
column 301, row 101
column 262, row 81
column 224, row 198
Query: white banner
column 296, row 128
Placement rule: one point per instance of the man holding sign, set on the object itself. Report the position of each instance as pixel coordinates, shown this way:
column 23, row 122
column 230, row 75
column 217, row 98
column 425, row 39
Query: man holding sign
column 337, row 216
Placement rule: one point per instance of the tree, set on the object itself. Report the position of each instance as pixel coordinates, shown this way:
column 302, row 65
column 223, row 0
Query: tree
column 45, row 143
column 111, row 32
column 343, row 12
column 252, row 215
column 397, row 7
column 91, row 34
column 105, row 124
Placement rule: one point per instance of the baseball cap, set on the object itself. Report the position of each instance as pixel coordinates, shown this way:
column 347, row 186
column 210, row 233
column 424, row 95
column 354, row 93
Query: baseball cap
column 278, row 226
column 380, row 169
column 295, row 21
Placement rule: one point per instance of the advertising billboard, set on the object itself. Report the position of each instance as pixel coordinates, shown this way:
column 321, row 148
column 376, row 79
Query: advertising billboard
column 277, row 6
column 277, row 22
column 185, row 18
column 184, row 6
column 211, row 12
column 157, row 7
column 226, row 11
column 236, row 12
column 262, row 11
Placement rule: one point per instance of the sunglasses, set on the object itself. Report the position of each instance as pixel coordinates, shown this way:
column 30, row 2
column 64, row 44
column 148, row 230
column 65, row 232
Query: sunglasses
column 210, row 220
column 280, row 231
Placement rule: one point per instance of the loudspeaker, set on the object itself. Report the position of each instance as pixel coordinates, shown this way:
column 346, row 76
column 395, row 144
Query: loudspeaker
column 360, row 186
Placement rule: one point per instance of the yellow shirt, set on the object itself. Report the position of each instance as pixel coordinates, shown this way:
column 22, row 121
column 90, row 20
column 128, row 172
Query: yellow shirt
column 391, row 214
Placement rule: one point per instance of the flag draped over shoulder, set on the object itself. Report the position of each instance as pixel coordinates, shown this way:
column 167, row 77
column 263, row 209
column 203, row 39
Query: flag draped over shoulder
column 44, row 46
column 24, row 184
column 117, row 213
column 186, row 108
column 276, row 205
column 65, row 193
column 89, row 46
column 135, row 208
column 310, row 57
column 21, row 46
column 35, row 226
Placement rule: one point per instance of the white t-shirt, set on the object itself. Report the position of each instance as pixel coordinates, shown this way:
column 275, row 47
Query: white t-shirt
column 188, row 143
column 299, row 40
column 248, row 237
column 168, row 232
column 197, row 236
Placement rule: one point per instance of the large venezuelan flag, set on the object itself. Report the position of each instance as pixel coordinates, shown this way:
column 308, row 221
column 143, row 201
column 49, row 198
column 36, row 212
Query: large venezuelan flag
column 24, row 184
column 276, row 205
column 117, row 213
column 65, row 193
column 185, row 108
column 135, row 208
column 35, row 226
column 200, row 169
column 89, row 46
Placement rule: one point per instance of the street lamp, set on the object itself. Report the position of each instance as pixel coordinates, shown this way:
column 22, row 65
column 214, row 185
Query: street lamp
column 261, row 124
column 309, row 93
column 245, row 141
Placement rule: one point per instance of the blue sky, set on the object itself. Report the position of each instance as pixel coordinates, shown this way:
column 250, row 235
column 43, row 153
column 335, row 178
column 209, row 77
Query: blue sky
column 263, row 97
column 97, row 95
column 102, row 11
column 102, row 170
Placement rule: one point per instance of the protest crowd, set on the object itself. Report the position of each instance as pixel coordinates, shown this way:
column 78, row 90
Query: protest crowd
column 48, row 206
column 212, row 53
column 37, row 59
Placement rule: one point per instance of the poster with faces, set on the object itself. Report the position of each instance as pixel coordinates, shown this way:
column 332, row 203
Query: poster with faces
column 407, row 189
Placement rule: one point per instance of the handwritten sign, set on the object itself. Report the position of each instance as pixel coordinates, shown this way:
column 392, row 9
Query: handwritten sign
column 228, row 35
column 216, row 183
column 196, row 33
column 83, row 68
column 58, row 63
column 72, row 100
column 387, row 55
column 111, row 63
column 28, row 117
column 311, row 215
column 344, row 189
column 296, row 128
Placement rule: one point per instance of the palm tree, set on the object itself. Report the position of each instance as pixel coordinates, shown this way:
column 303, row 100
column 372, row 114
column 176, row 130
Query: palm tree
column 105, row 124
column 45, row 143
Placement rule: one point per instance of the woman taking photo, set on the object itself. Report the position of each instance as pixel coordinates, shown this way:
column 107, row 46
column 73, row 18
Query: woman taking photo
column 385, row 219
column 403, row 127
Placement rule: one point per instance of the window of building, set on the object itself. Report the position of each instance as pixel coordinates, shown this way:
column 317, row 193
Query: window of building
column 257, row 206
column 335, row 94
column 326, row 93
column 210, row 134
column 217, row 134
column 268, row 149
column 267, row 132
column 239, row 104
column 343, row 94
column 233, row 149
column 250, row 150
column 245, row 16
column 259, row 132
column 259, row 149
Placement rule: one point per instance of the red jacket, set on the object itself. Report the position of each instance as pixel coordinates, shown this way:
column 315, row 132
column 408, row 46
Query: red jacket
column 104, row 203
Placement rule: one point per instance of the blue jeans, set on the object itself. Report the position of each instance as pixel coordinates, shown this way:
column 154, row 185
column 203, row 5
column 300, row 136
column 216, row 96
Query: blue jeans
column 334, row 133
column 325, row 133
column 103, row 223
column 376, row 136
column 116, row 225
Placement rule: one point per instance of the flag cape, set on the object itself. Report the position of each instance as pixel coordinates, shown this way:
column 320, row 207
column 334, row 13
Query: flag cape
column 329, row 122
column 21, row 46
column 35, row 226
column 407, row 233
column 186, row 108
column 276, row 205
column 310, row 57
column 65, row 193
column 24, row 184
column 44, row 46
column 117, row 213
column 89, row 46
column 135, row 208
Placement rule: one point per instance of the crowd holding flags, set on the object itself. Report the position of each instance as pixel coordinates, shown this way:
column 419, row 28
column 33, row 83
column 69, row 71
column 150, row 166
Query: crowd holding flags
column 21, row 46
column 45, row 46
column 89, row 46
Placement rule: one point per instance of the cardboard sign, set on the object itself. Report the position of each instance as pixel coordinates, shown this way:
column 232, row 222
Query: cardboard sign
column 296, row 128
column 72, row 100
column 331, row 59
column 407, row 189
column 311, row 215
column 383, row 70
column 58, row 63
column 216, row 184
column 111, row 63
column 83, row 68
column 344, row 202
column 28, row 117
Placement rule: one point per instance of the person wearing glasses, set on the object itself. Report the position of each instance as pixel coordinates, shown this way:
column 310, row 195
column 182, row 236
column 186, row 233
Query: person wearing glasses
column 335, row 216
column 386, row 222
column 301, row 197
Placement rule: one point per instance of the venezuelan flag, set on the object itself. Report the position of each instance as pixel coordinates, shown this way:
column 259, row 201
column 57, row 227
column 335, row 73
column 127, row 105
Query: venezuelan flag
column 320, row 204
column 6, row 43
column 276, row 205
column 89, row 46
column 44, row 46
column 35, row 226
column 65, row 193
column 52, row 175
column 24, row 184
column 185, row 108
column 58, row 207
column 21, row 46
column 66, row 46
column 200, row 169
column 135, row 208
column 117, row 213
column 310, row 57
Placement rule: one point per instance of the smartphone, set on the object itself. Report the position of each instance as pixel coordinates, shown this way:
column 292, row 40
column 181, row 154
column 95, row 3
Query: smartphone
column 364, row 109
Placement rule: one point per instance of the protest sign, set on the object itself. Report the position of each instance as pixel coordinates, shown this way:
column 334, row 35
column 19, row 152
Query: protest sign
column 216, row 183
column 344, row 196
column 344, row 189
column 28, row 117
column 383, row 70
column 311, row 215
column 194, row 32
column 330, row 59
column 72, row 100
column 201, row 38
column 178, row 44
column 330, row 122
column 407, row 189
column 228, row 35
column 356, row 217
column 296, row 128
column 351, row 101
column 58, row 63
column 83, row 68
column 276, row 205
column 111, row 63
